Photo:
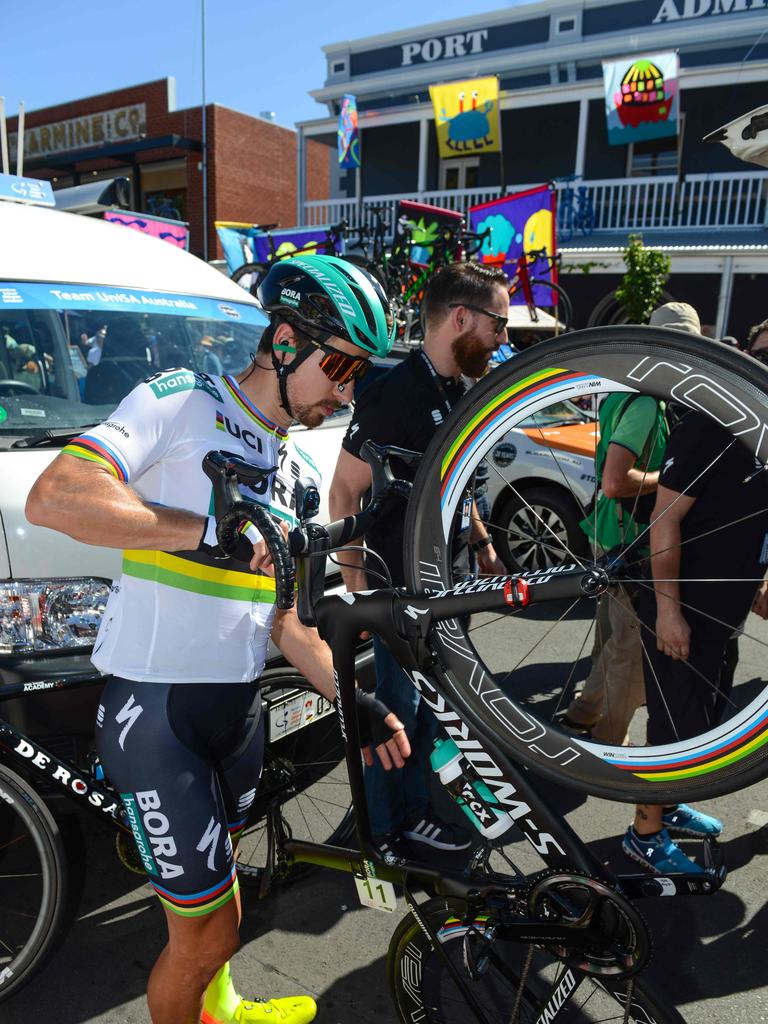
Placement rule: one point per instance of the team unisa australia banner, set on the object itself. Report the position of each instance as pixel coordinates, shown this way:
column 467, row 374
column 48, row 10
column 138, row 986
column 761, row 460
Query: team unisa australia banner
column 641, row 97
column 467, row 117
column 348, row 133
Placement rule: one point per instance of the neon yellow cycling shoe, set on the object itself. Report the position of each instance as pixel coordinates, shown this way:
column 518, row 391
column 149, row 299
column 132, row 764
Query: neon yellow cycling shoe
column 289, row 1010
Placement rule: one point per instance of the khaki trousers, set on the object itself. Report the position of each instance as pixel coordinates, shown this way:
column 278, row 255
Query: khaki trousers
column 614, row 688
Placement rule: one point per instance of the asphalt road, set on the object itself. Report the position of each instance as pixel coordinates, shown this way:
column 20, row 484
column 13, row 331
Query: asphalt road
column 711, row 953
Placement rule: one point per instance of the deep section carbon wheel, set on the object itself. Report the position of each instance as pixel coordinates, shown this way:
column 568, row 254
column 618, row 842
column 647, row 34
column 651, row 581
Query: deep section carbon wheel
column 517, row 673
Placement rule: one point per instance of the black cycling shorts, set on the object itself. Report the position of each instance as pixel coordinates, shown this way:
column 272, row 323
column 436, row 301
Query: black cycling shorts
column 186, row 759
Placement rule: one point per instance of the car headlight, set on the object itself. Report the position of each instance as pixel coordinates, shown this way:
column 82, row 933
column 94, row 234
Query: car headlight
column 39, row 616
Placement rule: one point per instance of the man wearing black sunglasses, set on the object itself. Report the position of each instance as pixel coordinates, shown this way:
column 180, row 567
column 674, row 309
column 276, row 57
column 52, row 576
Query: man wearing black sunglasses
column 465, row 310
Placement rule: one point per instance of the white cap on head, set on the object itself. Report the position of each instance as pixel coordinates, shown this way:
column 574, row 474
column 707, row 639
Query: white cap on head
column 678, row 316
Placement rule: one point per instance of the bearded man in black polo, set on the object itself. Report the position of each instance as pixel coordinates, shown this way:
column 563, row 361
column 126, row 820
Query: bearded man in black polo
column 465, row 310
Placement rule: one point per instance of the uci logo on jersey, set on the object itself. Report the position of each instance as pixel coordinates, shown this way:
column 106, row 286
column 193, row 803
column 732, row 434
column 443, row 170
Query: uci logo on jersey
column 290, row 297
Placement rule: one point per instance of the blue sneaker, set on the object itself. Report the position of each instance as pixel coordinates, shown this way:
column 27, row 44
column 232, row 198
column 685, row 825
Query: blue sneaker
column 657, row 853
column 686, row 821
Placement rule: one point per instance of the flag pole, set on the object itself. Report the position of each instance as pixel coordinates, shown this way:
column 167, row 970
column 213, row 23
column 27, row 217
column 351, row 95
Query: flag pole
column 502, row 180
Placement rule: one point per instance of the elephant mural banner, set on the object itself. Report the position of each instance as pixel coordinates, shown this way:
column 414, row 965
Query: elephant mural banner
column 641, row 97
column 467, row 117
column 520, row 224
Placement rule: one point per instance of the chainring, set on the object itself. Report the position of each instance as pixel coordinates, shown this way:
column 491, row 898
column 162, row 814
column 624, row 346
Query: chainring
column 622, row 947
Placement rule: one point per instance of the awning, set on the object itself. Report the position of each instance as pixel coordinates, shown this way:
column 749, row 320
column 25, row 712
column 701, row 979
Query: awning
column 119, row 151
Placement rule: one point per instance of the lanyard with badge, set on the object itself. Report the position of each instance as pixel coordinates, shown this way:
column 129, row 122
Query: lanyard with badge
column 466, row 506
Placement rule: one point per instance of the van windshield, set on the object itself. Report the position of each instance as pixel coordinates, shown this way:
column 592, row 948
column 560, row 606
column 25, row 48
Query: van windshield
column 66, row 369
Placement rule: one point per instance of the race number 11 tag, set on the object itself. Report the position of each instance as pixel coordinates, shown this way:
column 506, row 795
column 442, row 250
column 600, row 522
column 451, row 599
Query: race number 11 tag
column 376, row 894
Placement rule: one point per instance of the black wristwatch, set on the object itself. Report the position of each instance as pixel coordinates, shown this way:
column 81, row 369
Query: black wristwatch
column 480, row 544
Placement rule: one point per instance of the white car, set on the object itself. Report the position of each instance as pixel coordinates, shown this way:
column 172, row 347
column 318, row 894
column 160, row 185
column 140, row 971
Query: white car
column 541, row 481
column 63, row 278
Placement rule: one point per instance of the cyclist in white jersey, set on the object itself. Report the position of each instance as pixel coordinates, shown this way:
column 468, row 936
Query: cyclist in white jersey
column 185, row 631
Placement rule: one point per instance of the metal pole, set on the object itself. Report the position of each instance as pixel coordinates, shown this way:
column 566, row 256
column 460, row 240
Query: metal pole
column 205, row 142
column 724, row 298
column 3, row 138
column 20, row 143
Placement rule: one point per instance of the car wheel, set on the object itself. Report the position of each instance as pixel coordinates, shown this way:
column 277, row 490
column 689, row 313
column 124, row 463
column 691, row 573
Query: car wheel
column 537, row 529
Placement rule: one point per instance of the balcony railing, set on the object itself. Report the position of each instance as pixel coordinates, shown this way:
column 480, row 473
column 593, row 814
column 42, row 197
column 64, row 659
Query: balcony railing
column 696, row 202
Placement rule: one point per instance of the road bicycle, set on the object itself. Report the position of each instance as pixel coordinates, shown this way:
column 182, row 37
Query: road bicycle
column 575, row 211
column 251, row 274
column 552, row 298
column 493, row 943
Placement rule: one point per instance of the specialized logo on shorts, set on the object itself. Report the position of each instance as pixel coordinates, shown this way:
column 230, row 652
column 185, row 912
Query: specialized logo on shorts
column 209, row 841
column 171, row 382
column 128, row 713
column 150, row 830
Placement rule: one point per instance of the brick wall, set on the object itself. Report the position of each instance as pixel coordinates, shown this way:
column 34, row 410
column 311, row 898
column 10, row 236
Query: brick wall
column 251, row 162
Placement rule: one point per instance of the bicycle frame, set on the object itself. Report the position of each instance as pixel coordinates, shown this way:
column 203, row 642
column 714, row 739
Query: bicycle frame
column 402, row 621
column 31, row 756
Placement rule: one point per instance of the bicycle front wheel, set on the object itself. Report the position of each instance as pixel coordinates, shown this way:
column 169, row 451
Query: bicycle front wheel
column 561, row 307
column 32, row 882
column 513, row 983
column 515, row 674
column 304, row 777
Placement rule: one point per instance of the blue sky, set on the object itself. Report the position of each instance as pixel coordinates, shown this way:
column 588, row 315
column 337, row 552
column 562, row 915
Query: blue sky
column 260, row 54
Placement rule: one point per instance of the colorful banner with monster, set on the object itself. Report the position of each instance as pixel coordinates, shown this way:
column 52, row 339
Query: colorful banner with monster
column 521, row 223
column 422, row 224
column 641, row 97
column 348, row 133
column 467, row 117
column 244, row 243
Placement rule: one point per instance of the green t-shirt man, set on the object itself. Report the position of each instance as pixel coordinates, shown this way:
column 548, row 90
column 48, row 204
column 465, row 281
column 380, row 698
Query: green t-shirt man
column 635, row 422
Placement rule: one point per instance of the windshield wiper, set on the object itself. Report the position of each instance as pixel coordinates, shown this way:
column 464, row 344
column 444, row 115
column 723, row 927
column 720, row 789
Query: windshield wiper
column 50, row 438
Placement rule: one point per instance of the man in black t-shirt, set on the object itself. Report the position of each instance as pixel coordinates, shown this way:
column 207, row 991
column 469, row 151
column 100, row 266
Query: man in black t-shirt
column 465, row 310
column 709, row 550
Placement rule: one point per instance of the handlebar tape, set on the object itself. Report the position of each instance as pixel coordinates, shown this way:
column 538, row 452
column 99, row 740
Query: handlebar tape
column 228, row 533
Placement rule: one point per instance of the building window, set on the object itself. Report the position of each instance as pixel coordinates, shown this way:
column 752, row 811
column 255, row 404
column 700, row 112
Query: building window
column 565, row 25
column 461, row 173
column 338, row 67
column 656, row 157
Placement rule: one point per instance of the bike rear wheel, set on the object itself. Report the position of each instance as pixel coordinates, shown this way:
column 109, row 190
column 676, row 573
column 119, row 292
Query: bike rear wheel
column 32, row 882
column 305, row 775
column 518, row 984
column 514, row 674
column 250, row 276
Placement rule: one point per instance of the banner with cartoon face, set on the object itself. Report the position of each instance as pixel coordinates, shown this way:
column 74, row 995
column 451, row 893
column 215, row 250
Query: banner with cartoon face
column 467, row 117
column 641, row 97
column 523, row 222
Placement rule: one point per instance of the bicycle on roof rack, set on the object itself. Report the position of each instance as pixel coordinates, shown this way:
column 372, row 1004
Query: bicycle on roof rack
column 535, row 277
column 491, row 943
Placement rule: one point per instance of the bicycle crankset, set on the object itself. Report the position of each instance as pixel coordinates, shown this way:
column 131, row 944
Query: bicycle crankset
column 610, row 936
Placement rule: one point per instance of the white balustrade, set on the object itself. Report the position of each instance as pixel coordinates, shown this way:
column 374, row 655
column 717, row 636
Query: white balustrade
column 696, row 202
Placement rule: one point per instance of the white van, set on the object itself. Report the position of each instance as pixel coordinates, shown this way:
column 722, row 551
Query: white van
column 87, row 310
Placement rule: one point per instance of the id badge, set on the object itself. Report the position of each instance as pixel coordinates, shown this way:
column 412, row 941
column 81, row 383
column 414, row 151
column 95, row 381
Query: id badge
column 466, row 512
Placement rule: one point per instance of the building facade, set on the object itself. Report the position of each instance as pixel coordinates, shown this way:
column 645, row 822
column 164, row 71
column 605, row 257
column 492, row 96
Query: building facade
column 692, row 198
column 137, row 132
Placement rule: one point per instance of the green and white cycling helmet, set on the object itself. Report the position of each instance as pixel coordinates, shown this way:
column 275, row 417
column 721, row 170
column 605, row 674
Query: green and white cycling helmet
column 328, row 295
